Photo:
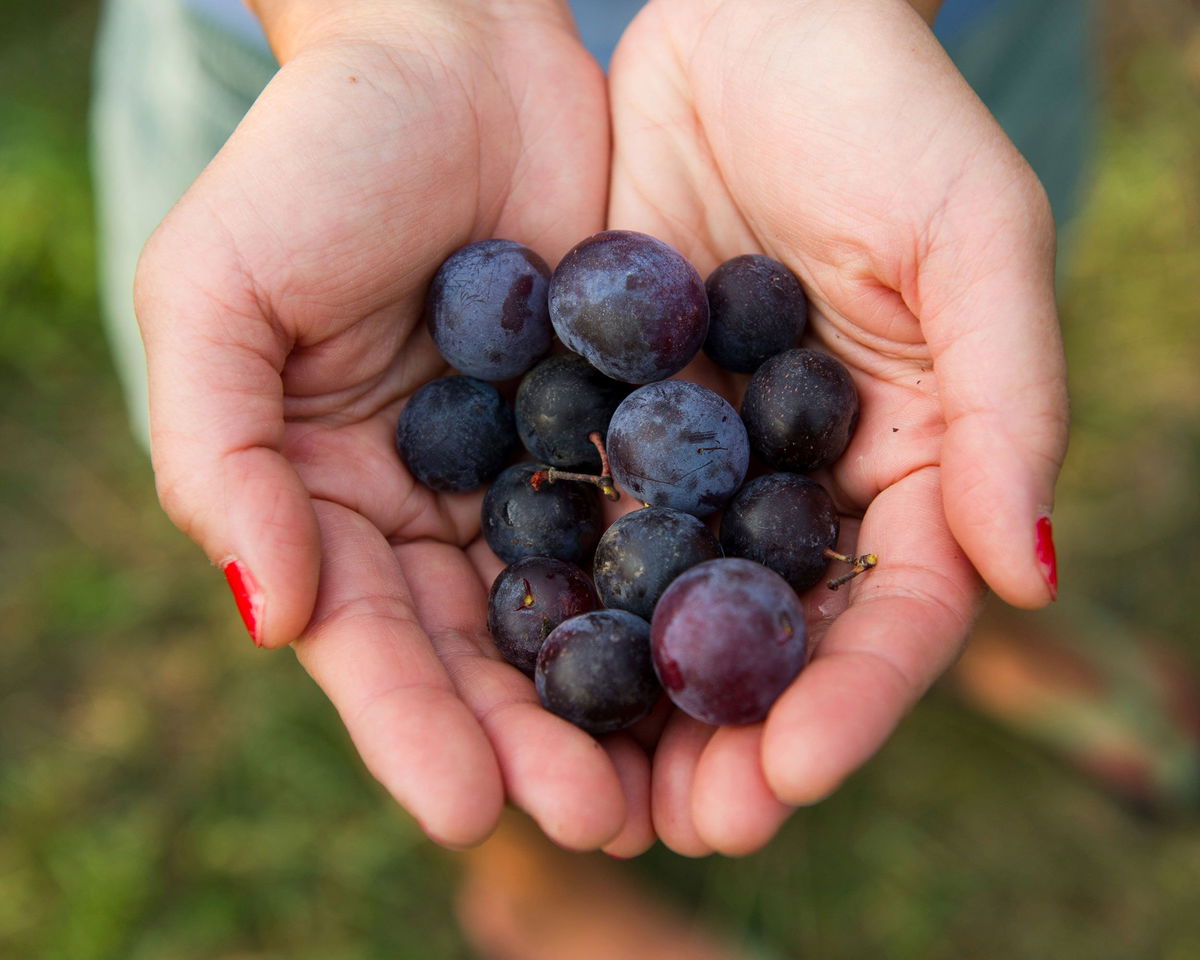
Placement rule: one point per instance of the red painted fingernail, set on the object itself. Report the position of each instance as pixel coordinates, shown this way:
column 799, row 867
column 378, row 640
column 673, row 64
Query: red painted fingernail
column 246, row 595
column 1046, row 556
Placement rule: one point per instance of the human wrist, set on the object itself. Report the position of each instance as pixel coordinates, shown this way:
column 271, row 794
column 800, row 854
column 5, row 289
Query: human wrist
column 292, row 25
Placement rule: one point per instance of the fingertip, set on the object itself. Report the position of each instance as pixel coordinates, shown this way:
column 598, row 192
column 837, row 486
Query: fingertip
column 464, row 835
column 795, row 783
column 672, row 785
column 734, row 809
column 560, row 776
column 795, row 768
column 458, row 799
column 440, row 769
column 633, row 770
column 996, row 508
column 269, row 546
column 827, row 724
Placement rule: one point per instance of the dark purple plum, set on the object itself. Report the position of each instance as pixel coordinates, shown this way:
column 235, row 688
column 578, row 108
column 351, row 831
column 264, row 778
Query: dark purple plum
column 487, row 309
column 642, row 552
column 728, row 637
column 529, row 599
column 595, row 671
column 559, row 403
column 783, row 521
column 677, row 444
column 633, row 306
column 800, row 410
column 560, row 520
column 757, row 309
column 455, row 434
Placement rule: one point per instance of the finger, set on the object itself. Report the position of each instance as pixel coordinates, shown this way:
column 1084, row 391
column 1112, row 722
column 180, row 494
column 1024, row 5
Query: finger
column 242, row 277
column 905, row 624
column 552, row 770
column 672, row 784
column 633, row 770
column 366, row 650
column 377, row 486
column 734, row 810
column 647, row 731
column 948, row 225
column 987, row 309
column 216, row 422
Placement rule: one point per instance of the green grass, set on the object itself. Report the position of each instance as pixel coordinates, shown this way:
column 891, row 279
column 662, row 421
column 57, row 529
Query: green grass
column 168, row 791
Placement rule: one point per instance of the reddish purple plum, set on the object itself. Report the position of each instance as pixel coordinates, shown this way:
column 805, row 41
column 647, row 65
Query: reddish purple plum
column 633, row 306
column 728, row 637
column 529, row 599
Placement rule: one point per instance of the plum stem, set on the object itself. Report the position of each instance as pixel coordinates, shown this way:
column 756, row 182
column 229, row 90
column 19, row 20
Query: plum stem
column 857, row 564
column 598, row 443
column 604, row 481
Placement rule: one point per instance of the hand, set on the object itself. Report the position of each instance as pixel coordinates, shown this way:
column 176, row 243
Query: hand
column 280, row 304
column 836, row 136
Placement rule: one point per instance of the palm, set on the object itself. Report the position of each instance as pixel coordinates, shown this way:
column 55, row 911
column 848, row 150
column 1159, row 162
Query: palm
column 740, row 127
column 332, row 220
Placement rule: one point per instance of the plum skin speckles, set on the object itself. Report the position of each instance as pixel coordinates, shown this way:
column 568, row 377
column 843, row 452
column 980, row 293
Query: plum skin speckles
column 800, row 410
column 487, row 309
column 631, row 305
column 559, row 403
column 455, row 434
column 677, row 444
column 595, row 671
column 784, row 521
column 560, row 520
column 528, row 599
column 757, row 309
column 642, row 552
column 728, row 637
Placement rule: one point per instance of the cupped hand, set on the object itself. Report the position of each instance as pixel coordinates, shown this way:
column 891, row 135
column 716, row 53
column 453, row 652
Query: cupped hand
column 836, row 136
column 280, row 304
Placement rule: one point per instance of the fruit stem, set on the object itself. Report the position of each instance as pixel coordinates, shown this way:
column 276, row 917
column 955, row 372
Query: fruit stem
column 857, row 564
column 598, row 443
column 604, row 481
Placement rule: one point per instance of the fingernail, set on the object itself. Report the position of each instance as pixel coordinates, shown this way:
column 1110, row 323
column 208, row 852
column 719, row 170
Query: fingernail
column 247, row 596
column 1045, row 554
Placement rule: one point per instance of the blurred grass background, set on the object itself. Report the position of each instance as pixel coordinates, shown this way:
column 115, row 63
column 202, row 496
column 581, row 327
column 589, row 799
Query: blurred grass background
column 168, row 791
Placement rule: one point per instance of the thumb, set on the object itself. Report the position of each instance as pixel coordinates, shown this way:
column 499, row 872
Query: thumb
column 216, row 427
column 988, row 312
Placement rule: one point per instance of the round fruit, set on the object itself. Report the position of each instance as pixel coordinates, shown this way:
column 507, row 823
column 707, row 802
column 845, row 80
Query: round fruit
column 630, row 304
column 757, row 309
column 677, row 444
column 487, row 309
column 455, row 434
column 728, row 637
column 642, row 552
column 560, row 520
column 783, row 521
column 595, row 671
column 800, row 410
column 560, row 402
column 529, row 599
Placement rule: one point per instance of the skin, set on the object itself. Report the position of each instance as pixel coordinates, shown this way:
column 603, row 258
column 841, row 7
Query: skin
column 280, row 306
column 926, row 246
